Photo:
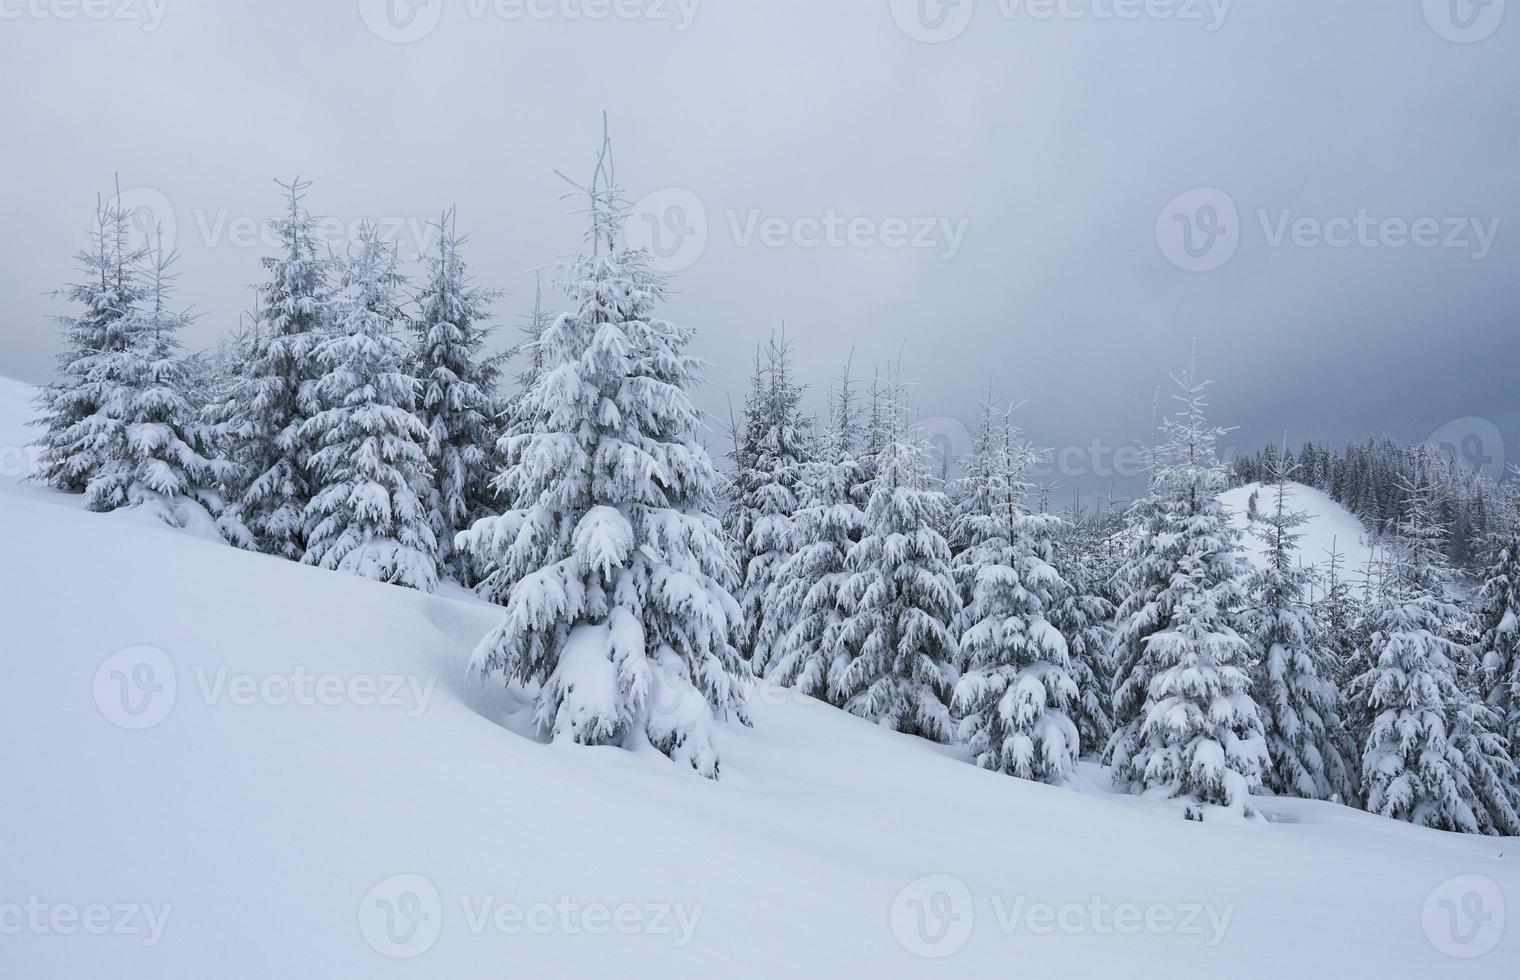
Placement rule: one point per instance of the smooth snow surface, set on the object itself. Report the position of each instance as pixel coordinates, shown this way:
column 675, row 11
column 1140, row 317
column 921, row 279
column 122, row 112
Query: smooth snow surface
column 313, row 737
column 1330, row 525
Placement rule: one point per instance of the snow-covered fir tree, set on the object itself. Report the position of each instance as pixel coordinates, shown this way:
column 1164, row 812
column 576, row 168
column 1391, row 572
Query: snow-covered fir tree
column 1498, row 647
column 1295, row 688
column 368, row 464
column 1187, row 727
column 1409, row 693
column 809, row 598
column 619, row 612
column 1488, row 779
column 457, row 402
column 901, row 599
column 167, row 465
column 1338, row 611
column 80, row 412
column 1083, row 614
column 1016, row 696
column 530, row 329
column 270, row 405
column 769, row 501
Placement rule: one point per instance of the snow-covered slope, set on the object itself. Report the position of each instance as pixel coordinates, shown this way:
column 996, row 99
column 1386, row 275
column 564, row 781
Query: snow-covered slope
column 264, row 817
column 1330, row 526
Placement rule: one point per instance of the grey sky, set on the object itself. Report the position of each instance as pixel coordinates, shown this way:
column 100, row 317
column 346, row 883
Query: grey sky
column 1033, row 155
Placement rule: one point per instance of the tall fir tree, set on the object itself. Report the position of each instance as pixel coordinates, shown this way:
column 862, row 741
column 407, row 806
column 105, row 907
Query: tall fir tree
column 1409, row 693
column 1083, row 614
column 457, row 401
column 273, row 399
column 167, row 464
column 1187, row 727
column 1498, row 647
column 619, row 612
column 900, row 600
column 769, row 501
column 369, row 468
column 1295, row 688
column 1016, row 696
column 809, row 601
column 80, row 412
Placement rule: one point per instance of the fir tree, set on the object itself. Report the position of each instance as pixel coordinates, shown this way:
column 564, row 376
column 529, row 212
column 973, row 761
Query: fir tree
column 1487, row 778
column 1187, row 726
column 1016, row 696
column 1409, row 692
column 273, row 400
column 457, row 401
column 1299, row 701
column 900, row 599
column 809, row 599
column 1339, row 615
column 164, row 464
column 618, row 609
column 769, row 502
column 81, row 411
column 368, row 462
column 1082, row 614
column 1498, row 647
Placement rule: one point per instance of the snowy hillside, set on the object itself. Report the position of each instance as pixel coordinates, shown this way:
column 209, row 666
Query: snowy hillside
column 1330, row 526
column 226, row 765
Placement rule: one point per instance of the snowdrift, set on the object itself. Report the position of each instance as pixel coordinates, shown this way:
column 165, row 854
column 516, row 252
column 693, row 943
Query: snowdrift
column 225, row 765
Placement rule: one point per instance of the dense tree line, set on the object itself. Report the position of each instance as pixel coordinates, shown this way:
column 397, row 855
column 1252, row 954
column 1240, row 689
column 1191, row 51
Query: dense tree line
column 1370, row 479
column 363, row 426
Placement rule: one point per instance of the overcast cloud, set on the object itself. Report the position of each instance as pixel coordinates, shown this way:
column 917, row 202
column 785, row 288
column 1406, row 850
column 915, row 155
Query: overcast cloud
column 1055, row 196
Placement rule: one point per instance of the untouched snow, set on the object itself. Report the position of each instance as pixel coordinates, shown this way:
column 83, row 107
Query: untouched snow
column 317, row 790
column 1329, row 525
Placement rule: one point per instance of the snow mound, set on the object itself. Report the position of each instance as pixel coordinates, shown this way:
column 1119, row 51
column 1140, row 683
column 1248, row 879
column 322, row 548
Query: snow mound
column 223, row 764
column 1330, row 526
